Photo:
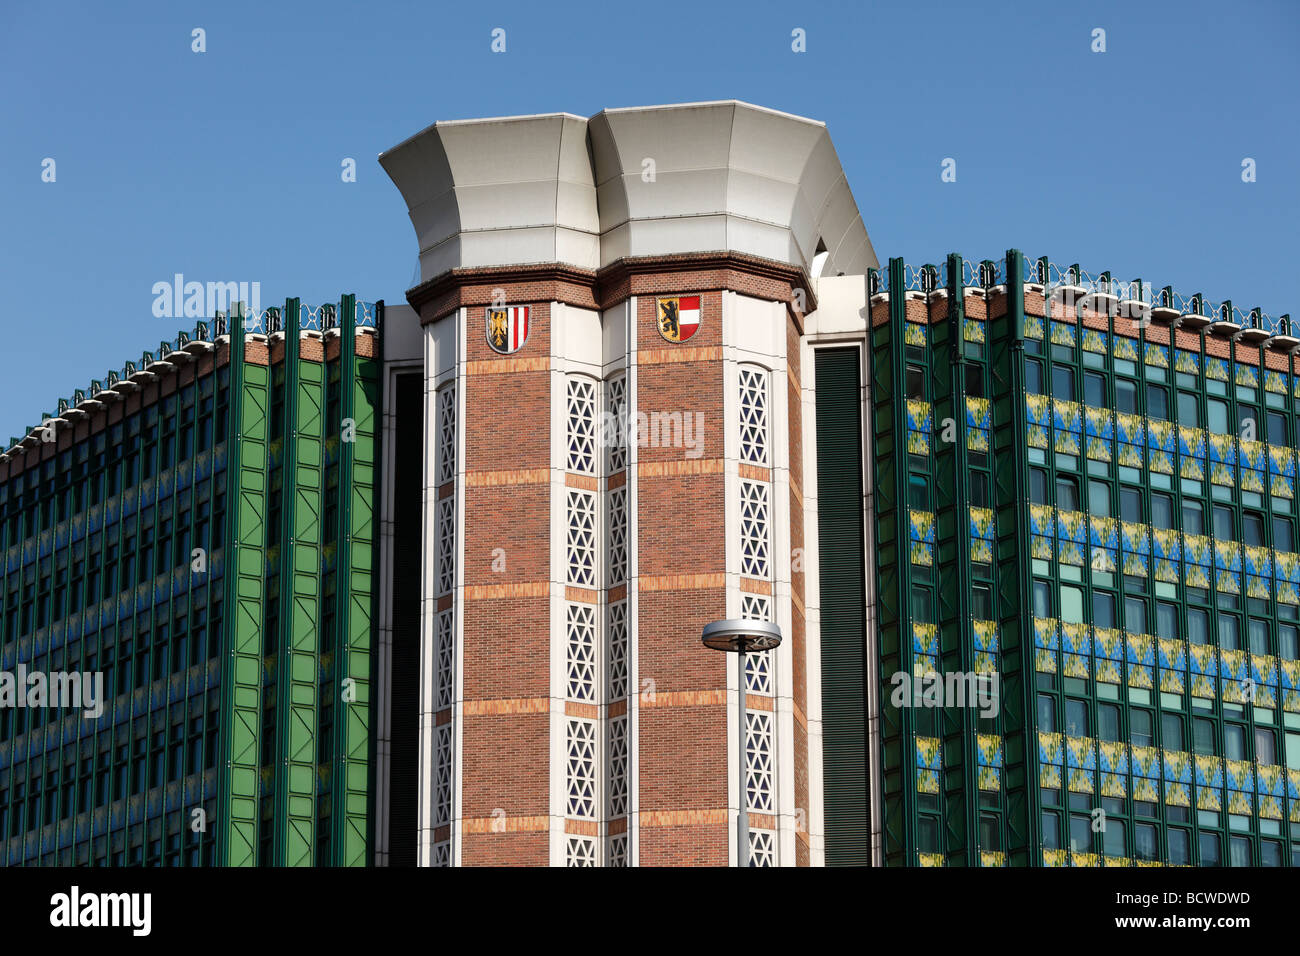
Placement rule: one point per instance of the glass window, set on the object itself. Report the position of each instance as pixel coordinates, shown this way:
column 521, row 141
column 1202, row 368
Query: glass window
column 1080, row 833
column 1046, row 714
column 915, row 383
column 1193, row 517
column 1277, row 428
column 1282, row 535
column 1167, row 620
column 1293, row 750
column 1145, row 844
column 918, row 492
column 1270, row 853
column 1042, row 598
column 1209, row 843
column 1288, row 644
column 1126, row 396
column 1248, row 422
column 1188, row 411
column 1257, row 632
column 1203, row 728
column 1063, row 383
column 1239, row 851
column 1067, row 493
column 1099, row 497
column 1103, row 608
column 1157, row 402
column 1094, row 390
column 1034, row 377
column 1051, row 831
column 1076, row 717
column 982, row 602
column 928, row 833
column 990, row 832
column 1130, row 504
column 1108, row 722
column 1071, row 604
column 1162, row 511
column 1265, row 746
column 1223, row 523
column 1198, row 625
column 1216, row 416
column 975, row 381
column 1234, row 741
column 1135, row 615
column 1229, row 633
column 1180, row 847
column 1113, row 838
column 1171, row 731
column 1252, row 529
column 1038, row 486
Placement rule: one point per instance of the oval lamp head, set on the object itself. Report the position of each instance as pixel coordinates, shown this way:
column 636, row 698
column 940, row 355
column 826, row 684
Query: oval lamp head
column 741, row 635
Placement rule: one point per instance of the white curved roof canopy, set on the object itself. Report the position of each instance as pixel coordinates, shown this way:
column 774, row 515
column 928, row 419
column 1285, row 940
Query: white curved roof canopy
column 659, row 180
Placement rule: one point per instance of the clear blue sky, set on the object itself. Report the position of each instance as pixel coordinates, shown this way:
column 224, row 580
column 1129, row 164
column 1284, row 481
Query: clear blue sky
column 225, row 165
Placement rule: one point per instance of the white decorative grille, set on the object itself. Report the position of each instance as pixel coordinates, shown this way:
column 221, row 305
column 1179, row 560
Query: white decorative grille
column 758, row 666
column 446, row 657
column 446, row 544
column 762, row 848
column 753, row 416
column 582, row 652
column 617, row 614
column 618, row 850
column 618, row 536
column 581, row 752
column 618, row 766
column 582, row 425
column 616, row 435
column 754, row 529
column 442, row 775
column 758, row 761
column 582, row 537
column 446, row 434
column 582, row 851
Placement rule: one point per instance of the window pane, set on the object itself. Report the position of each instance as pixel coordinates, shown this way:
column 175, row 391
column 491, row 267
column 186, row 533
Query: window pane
column 1198, row 626
column 1166, row 620
column 1252, row 529
column 1193, row 517
column 1038, row 486
column 1042, row 599
column 1171, row 731
column 1135, row 615
column 1204, row 729
column 1240, row 849
column 1282, row 535
column 1157, row 402
column 1229, row 632
column 1103, row 609
column 1071, row 605
column 1046, row 714
column 1216, row 416
column 1033, row 377
column 1099, row 497
column 1076, row 718
column 1080, row 834
column 1094, row 390
column 1209, row 844
column 1223, row 524
column 1144, row 842
column 1234, row 741
column 1265, row 746
column 1063, row 383
column 1051, row 831
column 1113, row 839
column 1180, row 847
column 1126, row 396
column 915, row 382
column 1258, row 633
column 1162, row 511
column 1188, row 412
column 1130, row 504
column 1276, row 429
column 1140, row 725
column 1108, row 721
column 1067, row 494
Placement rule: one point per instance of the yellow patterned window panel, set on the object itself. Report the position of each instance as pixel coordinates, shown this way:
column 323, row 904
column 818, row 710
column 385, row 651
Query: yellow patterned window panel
column 1173, row 665
column 1281, row 471
column 1259, row 571
column 928, row 757
column 1247, row 375
column 1148, row 862
column 1254, row 465
column 1223, row 451
column 1209, row 783
column 989, row 761
column 992, row 858
column 1033, row 327
column 922, row 538
column 1204, row 667
column 1270, row 787
column 1042, row 529
column 1187, row 362
column 1055, row 857
column 1117, row 861
column 1264, row 674
column 1290, row 682
column 981, row 535
column 930, row 859
column 1068, row 424
column 1099, row 431
column 1232, row 670
column 1072, row 533
column 1063, row 333
column 1196, row 560
column 1080, row 764
column 1083, row 859
column 1112, row 758
column 914, row 334
column 1141, row 660
column 1094, row 341
column 1046, row 644
column 1147, row 767
column 986, row 646
column 1129, row 453
column 1239, row 801
column 1167, row 547
column 1160, row 445
column 919, row 427
column 1124, row 348
column 1191, row 444
column 1275, row 381
column 1050, row 758
column 973, row 330
column 1074, row 650
column 925, row 648
column 1108, row 646
column 1038, row 410
column 1285, row 567
column 1178, row 777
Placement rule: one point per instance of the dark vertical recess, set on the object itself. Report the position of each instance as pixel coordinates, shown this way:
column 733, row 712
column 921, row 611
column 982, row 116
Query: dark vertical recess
column 408, row 474
column 842, row 598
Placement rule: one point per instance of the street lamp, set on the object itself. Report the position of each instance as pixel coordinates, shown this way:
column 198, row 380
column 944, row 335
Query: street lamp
column 741, row 637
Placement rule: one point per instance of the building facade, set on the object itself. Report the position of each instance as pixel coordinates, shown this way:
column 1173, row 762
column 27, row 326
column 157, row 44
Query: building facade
column 189, row 549
column 1029, row 536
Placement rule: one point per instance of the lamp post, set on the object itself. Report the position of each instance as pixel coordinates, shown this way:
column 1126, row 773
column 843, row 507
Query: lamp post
column 739, row 636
